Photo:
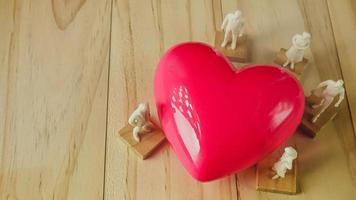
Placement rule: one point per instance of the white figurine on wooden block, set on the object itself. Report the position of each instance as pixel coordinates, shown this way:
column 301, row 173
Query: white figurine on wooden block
column 331, row 90
column 233, row 23
column 140, row 120
column 295, row 54
column 285, row 162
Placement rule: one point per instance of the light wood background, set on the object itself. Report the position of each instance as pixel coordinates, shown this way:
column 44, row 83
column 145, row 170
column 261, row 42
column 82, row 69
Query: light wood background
column 72, row 71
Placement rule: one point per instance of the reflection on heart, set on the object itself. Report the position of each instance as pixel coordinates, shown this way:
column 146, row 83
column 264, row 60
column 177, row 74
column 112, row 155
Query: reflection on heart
column 186, row 120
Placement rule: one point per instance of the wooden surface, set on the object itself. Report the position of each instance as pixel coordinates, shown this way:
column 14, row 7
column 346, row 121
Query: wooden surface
column 71, row 71
column 53, row 98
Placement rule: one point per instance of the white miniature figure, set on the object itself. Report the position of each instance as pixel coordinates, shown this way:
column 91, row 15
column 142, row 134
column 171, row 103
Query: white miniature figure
column 140, row 120
column 285, row 162
column 234, row 23
column 332, row 89
column 295, row 53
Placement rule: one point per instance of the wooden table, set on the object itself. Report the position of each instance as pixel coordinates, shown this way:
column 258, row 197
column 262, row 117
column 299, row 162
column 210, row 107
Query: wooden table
column 72, row 71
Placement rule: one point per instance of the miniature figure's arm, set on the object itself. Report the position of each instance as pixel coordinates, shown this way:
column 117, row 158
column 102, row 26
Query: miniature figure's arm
column 341, row 97
column 289, row 165
column 323, row 84
column 224, row 22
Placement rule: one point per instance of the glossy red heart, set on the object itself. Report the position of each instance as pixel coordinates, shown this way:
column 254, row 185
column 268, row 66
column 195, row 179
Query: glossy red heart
column 219, row 120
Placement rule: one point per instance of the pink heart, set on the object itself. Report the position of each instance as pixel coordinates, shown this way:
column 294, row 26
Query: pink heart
column 219, row 120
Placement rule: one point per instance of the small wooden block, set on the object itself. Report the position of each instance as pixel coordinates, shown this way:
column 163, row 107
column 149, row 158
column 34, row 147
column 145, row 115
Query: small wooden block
column 237, row 55
column 307, row 126
column 299, row 67
column 149, row 141
column 264, row 174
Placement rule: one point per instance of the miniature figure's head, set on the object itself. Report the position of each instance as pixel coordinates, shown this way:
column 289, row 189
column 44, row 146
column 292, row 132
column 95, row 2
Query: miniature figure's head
column 340, row 83
column 301, row 41
column 137, row 120
column 143, row 107
column 238, row 14
column 306, row 36
column 139, row 116
column 291, row 152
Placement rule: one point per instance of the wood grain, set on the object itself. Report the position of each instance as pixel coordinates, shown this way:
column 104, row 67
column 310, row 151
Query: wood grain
column 59, row 112
column 53, row 100
column 64, row 11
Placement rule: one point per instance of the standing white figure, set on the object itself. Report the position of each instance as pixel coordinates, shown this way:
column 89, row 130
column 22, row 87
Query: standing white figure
column 140, row 120
column 285, row 162
column 295, row 53
column 332, row 89
column 234, row 23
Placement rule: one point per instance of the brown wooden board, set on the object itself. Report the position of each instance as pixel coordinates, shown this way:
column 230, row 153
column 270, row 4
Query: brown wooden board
column 149, row 141
column 299, row 67
column 239, row 54
column 264, row 174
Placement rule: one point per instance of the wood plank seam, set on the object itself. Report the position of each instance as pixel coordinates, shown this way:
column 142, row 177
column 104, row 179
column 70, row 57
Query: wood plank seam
column 107, row 99
column 340, row 68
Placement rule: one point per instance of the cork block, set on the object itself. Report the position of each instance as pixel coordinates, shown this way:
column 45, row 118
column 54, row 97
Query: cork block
column 235, row 55
column 264, row 174
column 307, row 126
column 299, row 67
column 148, row 143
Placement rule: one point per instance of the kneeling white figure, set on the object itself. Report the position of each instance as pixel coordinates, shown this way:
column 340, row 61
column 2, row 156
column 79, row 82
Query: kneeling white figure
column 332, row 89
column 295, row 54
column 140, row 120
column 285, row 162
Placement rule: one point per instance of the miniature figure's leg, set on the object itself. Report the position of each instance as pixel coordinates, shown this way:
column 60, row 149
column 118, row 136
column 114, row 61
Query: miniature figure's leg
column 274, row 168
column 234, row 41
column 135, row 133
column 148, row 127
column 242, row 30
column 328, row 100
column 275, row 177
column 225, row 38
column 292, row 65
column 286, row 63
column 320, row 104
